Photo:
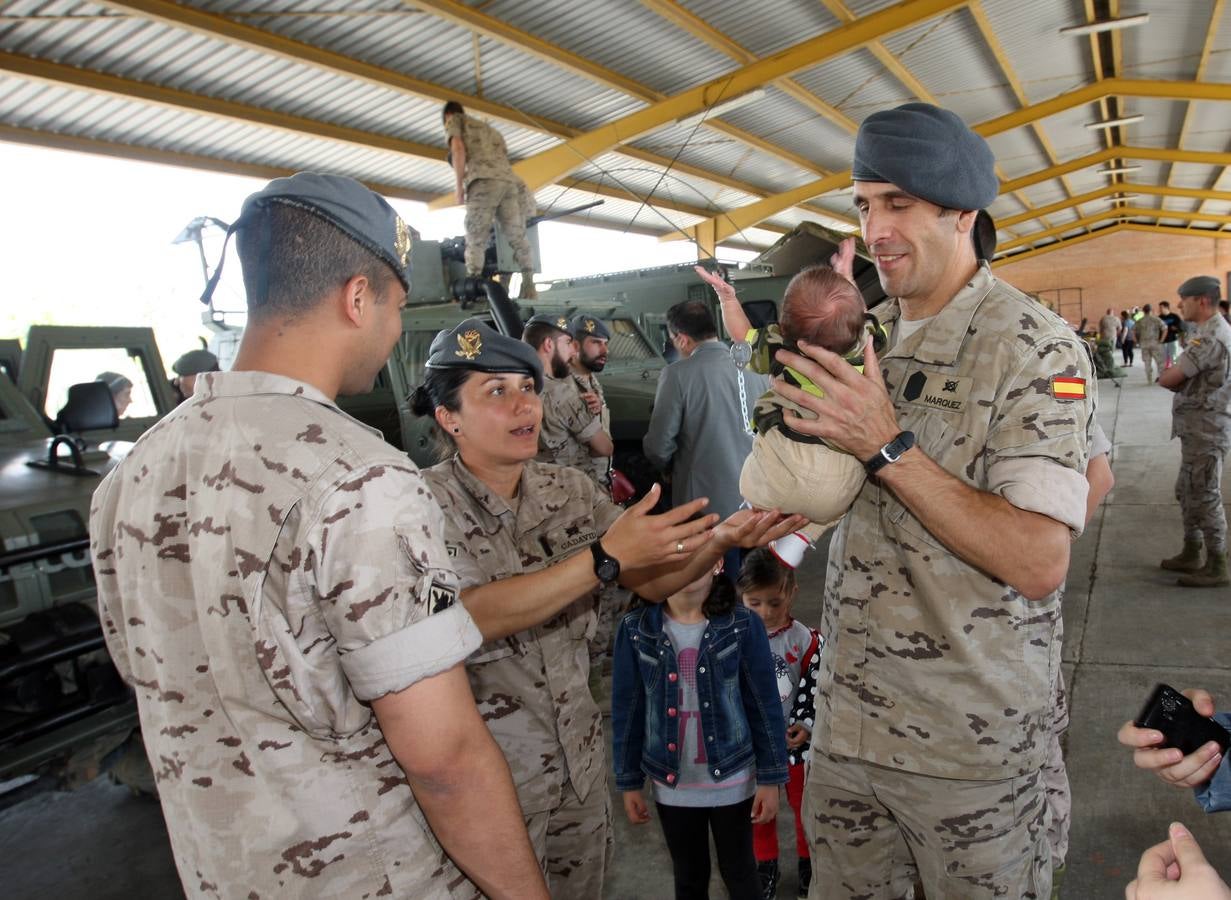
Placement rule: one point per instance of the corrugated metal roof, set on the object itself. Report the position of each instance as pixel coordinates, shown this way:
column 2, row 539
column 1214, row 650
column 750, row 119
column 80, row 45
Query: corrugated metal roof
column 947, row 54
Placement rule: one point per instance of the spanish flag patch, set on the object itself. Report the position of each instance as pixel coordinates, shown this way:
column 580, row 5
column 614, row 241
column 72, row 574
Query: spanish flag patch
column 1068, row 388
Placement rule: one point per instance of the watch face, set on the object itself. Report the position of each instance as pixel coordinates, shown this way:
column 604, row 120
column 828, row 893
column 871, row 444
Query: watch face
column 607, row 570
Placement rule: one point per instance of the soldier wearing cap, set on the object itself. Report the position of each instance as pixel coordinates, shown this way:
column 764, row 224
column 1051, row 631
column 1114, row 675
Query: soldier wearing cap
column 273, row 581
column 1150, row 330
column 187, row 368
column 533, row 545
column 1201, row 419
column 572, row 433
column 591, row 338
column 486, row 183
column 941, row 598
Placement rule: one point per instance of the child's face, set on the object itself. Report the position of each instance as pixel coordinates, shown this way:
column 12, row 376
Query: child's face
column 772, row 604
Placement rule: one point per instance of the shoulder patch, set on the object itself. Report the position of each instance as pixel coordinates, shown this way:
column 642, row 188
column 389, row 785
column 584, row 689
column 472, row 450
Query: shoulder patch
column 1068, row 388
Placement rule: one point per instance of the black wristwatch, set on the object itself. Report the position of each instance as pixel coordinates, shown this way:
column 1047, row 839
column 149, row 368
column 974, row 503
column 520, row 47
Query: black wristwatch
column 606, row 567
column 891, row 452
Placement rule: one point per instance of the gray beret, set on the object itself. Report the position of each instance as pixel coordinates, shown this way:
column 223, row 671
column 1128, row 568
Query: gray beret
column 560, row 323
column 1201, row 286
column 472, row 345
column 361, row 214
column 194, row 362
column 928, row 152
column 588, row 326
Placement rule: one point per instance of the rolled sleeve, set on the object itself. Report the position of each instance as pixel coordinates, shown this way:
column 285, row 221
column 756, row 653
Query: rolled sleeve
column 589, row 429
column 1100, row 444
column 1042, row 486
column 387, row 590
column 399, row 660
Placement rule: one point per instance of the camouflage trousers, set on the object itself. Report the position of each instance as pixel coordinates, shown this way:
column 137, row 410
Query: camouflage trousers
column 1151, row 358
column 1056, row 780
column 488, row 198
column 1199, row 491
column 573, row 843
column 873, row 830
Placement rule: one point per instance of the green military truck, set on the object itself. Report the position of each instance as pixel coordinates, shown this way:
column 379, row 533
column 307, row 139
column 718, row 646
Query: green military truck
column 64, row 712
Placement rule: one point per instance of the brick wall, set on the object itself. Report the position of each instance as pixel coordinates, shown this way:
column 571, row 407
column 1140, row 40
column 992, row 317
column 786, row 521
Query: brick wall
column 1121, row 270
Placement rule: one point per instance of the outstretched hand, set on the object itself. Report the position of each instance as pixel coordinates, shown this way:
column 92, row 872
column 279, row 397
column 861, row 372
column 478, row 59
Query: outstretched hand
column 749, row 528
column 639, row 539
column 734, row 319
column 1168, row 763
column 855, row 414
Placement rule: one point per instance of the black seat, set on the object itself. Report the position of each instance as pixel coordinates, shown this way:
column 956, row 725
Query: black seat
column 90, row 406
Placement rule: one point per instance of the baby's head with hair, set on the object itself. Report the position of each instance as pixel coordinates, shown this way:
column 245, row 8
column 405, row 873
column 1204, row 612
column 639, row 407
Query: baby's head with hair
column 821, row 307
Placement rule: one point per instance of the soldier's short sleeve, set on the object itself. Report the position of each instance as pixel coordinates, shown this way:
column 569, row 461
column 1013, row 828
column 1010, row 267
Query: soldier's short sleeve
column 1100, row 444
column 1038, row 445
column 577, row 418
column 102, row 552
column 453, row 128
column 1201, row 354
column 387, row 590
column 605, row 511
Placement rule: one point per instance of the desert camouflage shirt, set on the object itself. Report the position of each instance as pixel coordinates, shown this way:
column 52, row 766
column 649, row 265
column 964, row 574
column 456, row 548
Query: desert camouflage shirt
column 932, row 666
column 1201, row 407
column 486, row 154
column 531, row 687
column 1149, row 330
column 267, row 566
column 567, row 425
column 599, row 467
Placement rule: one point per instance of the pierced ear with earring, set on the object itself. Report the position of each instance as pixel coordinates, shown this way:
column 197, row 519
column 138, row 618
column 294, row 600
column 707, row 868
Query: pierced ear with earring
column 457, row 430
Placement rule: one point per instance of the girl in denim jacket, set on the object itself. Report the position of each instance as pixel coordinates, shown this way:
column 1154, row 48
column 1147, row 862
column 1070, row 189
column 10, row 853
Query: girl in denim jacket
column 695, row 706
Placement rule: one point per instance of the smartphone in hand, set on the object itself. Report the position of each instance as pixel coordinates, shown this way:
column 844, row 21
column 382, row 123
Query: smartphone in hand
column 1182, row 726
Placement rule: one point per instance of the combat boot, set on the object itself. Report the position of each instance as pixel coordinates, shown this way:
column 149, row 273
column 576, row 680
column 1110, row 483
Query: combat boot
column 528, row 290
column 1213, row 574
column 1188, row 560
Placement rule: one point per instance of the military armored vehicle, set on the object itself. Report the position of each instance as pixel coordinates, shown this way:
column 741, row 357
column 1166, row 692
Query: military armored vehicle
column 64, row 712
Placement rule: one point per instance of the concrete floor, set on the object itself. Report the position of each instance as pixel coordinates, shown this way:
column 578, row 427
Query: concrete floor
column 1127, row 627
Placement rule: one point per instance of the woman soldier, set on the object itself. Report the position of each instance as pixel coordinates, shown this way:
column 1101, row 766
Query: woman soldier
column 533, row 544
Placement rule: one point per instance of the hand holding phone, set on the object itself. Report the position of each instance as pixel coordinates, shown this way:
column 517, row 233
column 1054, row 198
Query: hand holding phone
column 1169, row 711
column 1153, row 750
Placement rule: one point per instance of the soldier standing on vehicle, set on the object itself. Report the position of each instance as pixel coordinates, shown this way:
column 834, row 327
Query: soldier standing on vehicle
column 1150, row 332
column 572, row 433
column 1201, row 419
column 486, row 183
column 273, row 582
column 944, row 576
column 591, row 338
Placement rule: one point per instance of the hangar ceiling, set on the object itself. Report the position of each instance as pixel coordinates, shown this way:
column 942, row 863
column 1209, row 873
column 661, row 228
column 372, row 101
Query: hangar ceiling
column 718, row 121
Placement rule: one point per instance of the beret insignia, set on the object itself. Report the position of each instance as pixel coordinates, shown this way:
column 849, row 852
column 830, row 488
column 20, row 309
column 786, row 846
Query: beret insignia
column 471, row 344
column 590, row 326
column 401, row 240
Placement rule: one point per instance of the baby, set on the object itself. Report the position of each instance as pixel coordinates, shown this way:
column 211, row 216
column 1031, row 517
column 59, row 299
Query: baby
column 788, row 470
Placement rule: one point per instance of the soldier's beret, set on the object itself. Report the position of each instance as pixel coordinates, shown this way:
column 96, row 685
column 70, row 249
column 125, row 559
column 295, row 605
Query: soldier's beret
column 194, row 362
column 473, row 345
column 589, row 326
column 928, row 152
column 361, row 214
column 1201, row 286
column 559, row 322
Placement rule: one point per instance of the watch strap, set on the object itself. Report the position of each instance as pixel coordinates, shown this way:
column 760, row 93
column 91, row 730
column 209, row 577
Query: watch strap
column 891, row 452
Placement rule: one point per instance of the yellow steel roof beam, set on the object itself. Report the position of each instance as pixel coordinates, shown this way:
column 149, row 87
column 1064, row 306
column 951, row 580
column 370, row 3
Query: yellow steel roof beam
column 227, row 29
column 748, row 216
column 1155, row 190
column 1211, row 33
column 1113, row 213
column 471, row 18
column 1118, row 227
column 549, row 165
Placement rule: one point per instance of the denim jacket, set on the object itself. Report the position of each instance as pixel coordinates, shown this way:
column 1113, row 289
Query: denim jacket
column 741, row 714
column 1215, row 794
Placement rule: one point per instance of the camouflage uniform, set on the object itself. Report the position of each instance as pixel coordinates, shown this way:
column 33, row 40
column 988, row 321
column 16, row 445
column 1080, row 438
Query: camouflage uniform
column 492, row 190
column 266, row 567
column 567, row 425
column 1150, row 330
column 935, row 697
column 600, row 466
column 531, row 686
column 1201, row 419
